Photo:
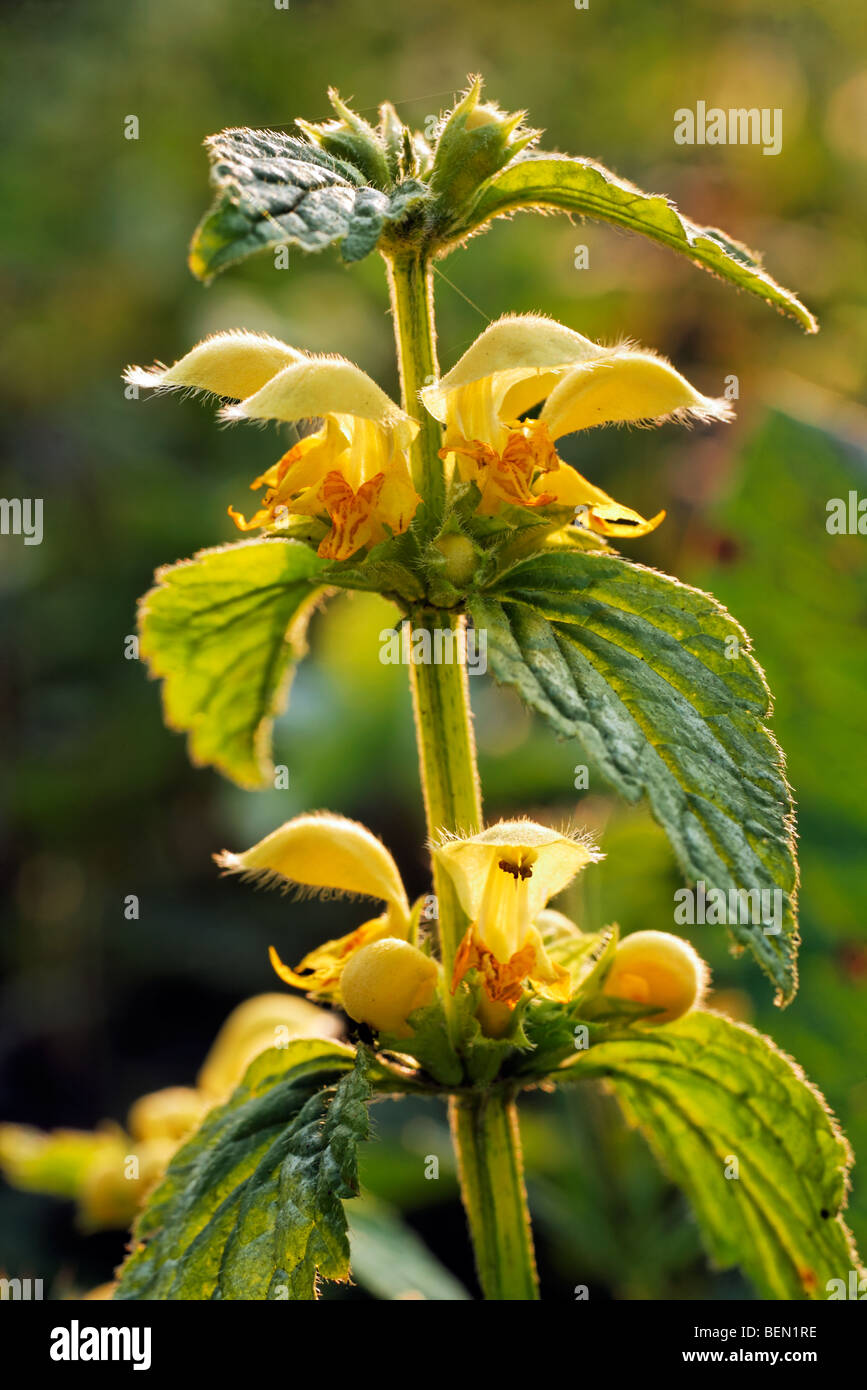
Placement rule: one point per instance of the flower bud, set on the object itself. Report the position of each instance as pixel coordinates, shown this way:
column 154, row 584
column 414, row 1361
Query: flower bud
column 351, row 138
column 383, row 983
column 476, row 140
column 460, row 558
column 660, row 970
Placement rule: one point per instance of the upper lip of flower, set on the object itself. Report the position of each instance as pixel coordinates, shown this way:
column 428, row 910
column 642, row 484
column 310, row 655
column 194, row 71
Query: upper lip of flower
column 232, row 365
column 552, row 857
column 330, row 855
column 523, row 360
column 354, row 469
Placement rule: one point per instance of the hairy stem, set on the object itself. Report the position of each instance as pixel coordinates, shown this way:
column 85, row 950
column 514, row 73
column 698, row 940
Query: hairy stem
column 484, row 1122
column 488, row 1146
column 410, row 282
column 447, row 764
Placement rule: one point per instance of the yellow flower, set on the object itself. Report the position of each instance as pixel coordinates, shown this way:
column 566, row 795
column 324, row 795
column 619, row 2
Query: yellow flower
column 266, row 1020
column 115, row 1185
column 329, row 855
column 504, row 876
column 658, row 969
column 109, row 1171
column 522, row 360
column 56, row 1162
column 385, row 982
column 231, row 365
column 106, row 1171
column 167, row 1114
column 353, row 471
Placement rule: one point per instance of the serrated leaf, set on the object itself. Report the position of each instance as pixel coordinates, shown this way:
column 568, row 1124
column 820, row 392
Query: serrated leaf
column 222, row 631
column 582, row 186
column 274, row 190
column 705, row 1091
column 637, row 666
column 251, row 1206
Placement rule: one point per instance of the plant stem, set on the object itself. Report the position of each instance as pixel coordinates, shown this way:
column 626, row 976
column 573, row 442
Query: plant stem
column 447, row 763
column 410, row 283
column 488, row 1146
column 484, row 1122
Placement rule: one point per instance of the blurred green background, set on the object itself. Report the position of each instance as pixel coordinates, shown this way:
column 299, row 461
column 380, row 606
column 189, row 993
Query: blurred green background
column 100, row 801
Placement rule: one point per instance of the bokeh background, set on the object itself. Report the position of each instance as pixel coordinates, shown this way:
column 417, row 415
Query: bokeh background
column 100, row 801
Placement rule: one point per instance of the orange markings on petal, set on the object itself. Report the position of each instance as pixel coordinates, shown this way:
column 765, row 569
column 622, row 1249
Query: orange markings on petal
column 502, row 981
column 531, row 441
column 508, row 476
column 353, row 515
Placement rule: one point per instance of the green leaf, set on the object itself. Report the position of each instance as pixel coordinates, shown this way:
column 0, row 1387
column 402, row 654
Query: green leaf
column 658, row 682
column 222, row 630
column 589, row 189
column 458, row 1053
column 484, row 1057
column 252, row 1206
column 388, row 568
column 275, row 190
column 390, row 1260
column 705, row 1091
column 430, row 1045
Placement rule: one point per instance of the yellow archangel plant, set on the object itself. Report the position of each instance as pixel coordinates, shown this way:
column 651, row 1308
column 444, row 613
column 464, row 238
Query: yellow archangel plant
column 328, row 855
column 459, row 506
